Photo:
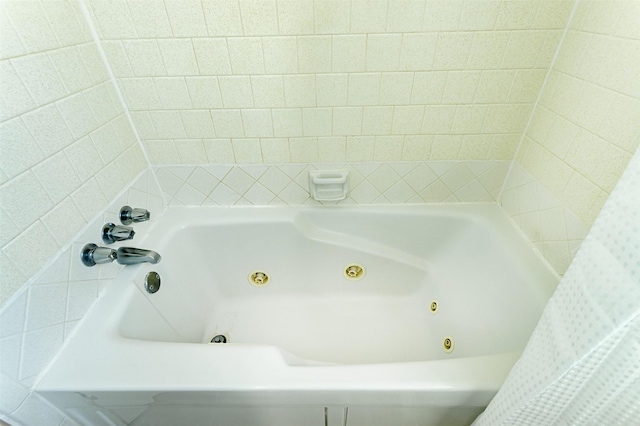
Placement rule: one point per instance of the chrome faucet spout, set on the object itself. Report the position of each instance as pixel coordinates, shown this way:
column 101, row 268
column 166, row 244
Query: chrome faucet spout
column 132, row 256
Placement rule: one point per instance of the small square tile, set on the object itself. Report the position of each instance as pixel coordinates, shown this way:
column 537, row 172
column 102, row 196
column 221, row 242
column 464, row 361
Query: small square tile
column 268, row 91
column 13, row 316
column 275, row 150
column 222, row 18
column 383, row 52
column 348, row 53
column 280, row 55
column 395, row 88
column 332, row 89
column 189, row 196
column 186, row 18
column 227, row 123
column 259, row 18
column 275, row 180
column 247, row 150
column 368, row 16
column 401, row 192
column 245, row 54
column 365, row 193
column 178, row 56
column 293, row 194
column 212, row 56
column 258, row 195
column 383, row 178
column 472, row 192
column 257, row 122
column 82, row 295
column 300, row 90
column 458, row 176
column 347, row 121
column 377, row 120
column 202, row 180
column 223, row 195
column 238, row 180
column 314, row 54
column 364, row 88
column 418, row 51
column 236, row 91
column 39, row 347
column 12, row 394
column 331, row 16
column 420, row 177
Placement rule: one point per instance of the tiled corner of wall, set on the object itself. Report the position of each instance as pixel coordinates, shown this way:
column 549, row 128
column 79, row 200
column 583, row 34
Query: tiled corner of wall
column 67, row 147
column 370, row 183
column 552, row 227
column 37, row 320
column 586, row 125
column 581, row 366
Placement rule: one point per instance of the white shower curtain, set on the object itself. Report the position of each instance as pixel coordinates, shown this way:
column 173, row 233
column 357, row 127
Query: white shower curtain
column 582, row 363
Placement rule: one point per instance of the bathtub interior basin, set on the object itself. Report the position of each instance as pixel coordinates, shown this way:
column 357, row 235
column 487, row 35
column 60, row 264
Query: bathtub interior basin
column 487, row 292
column 441, row 302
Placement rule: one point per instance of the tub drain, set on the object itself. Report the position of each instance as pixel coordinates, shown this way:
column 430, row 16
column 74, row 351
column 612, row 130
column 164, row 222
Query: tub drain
column 219, row 338
column 433, row 307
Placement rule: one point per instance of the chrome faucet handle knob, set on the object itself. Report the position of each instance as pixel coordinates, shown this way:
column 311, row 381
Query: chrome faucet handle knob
column 112, row 233
column 92, row 255
column 129, row 215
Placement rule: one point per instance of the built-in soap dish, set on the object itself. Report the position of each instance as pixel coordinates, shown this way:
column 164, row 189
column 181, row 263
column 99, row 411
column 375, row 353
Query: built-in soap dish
column 329, row 185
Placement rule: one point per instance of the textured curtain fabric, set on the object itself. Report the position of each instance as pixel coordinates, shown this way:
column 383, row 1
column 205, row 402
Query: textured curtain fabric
column 582, row 363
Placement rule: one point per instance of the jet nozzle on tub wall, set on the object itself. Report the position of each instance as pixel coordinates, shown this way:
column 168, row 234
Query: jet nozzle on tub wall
column 329, row 185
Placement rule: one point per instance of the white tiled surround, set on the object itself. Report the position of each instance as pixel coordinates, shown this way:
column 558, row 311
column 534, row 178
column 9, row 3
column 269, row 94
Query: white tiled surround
column 43, row 314
column 270, row 81
column 67, row 149
column 371, row 183
column 67, row 146
column 424, row 101
column 586, row 126
column 553, row 228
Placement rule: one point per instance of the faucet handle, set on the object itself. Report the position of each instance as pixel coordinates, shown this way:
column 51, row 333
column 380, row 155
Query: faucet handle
column 92, row 255
column 128, row 215
column 112, row 233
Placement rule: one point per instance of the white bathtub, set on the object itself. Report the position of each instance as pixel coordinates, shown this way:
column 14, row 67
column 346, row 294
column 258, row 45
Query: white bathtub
column 312, row 347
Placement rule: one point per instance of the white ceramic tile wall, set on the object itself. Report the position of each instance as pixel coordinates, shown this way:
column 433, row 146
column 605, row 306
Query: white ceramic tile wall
column 67, row 149
column 43, row 314
column 396, row 91
column 586, row 125
column 371, row 183
column 552, row 227
column 67, row 146
column 240, row 81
